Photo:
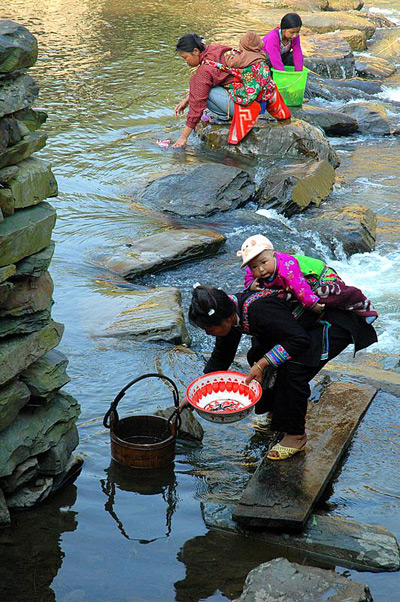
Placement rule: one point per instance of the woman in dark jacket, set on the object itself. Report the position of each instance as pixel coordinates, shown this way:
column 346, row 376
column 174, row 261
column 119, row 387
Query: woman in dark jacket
column 285, row 351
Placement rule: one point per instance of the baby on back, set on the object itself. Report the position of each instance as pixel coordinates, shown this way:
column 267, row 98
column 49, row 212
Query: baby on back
column 314, row 284
column 250, row 52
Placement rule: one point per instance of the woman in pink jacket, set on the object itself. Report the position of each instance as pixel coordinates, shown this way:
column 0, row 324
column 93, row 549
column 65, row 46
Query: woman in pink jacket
column 282, row 44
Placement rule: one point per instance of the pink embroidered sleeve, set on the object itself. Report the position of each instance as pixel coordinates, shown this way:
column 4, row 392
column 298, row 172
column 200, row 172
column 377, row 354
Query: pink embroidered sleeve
column 248, row 278
column 289, row 270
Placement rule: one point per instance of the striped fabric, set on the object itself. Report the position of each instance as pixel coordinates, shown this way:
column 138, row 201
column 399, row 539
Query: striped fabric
column 277, row 356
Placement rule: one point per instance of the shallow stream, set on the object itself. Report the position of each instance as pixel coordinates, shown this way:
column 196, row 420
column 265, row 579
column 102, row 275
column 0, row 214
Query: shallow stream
column 109, row 81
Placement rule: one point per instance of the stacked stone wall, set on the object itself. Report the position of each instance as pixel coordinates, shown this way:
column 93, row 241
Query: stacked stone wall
column 37, row 421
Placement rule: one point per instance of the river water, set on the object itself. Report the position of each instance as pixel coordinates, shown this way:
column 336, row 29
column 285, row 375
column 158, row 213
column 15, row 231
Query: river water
column 109, row 81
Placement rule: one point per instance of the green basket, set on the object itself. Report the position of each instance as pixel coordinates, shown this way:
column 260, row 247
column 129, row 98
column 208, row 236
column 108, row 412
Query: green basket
column 291, row 84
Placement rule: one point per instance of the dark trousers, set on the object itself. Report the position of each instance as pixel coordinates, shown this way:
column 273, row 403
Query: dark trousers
column 288, row 397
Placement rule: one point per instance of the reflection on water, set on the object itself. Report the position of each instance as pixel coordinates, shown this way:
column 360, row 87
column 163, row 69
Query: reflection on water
column 109, row 79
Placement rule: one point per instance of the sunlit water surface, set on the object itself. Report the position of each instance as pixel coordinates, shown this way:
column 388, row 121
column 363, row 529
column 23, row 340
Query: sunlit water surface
column 109, row 80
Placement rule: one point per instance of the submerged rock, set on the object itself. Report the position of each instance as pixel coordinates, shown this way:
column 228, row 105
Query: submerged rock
column 18, row 47
column 292, row 189
column 151, row 315
column 334, row 123
column 352, row 227
column 162, row 251
column 190, row 428
column 280, row 579
column 329, row 55
column 202, row 191
column 275, row 140
column 372, row 118
column 373, row 67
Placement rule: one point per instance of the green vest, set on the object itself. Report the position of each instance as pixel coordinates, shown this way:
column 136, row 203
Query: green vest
column 309, row 266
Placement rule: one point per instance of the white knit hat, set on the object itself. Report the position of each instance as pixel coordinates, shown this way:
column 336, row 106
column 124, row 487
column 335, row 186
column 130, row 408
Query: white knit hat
column 253, row 246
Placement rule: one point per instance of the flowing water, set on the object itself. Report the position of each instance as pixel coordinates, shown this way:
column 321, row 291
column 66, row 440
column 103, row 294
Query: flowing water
column 109, row 81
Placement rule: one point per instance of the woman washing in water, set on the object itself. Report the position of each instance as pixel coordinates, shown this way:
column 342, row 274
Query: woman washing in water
column 243, row 79
column 282, row 44
column 296, row 349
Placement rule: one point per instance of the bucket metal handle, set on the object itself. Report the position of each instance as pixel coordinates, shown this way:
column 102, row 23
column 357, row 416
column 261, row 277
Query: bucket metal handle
column 112, row 415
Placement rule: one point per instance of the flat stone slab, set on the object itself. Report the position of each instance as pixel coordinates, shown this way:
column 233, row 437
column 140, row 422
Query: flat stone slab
column 6, row 272
column 292, row 189
column 32, row 183
column 151, row 315
column 18, row 47
column 27, row 323
column 280, row 580
column 162, row 251
column 24, row 149
column 283, row 494
column 47, row 374
column 36, row 430
column 13, row 397
column 17, row 93
column 201, row 191
column 26, row 232
column 29, row 296
column 17, row 353
column 334, row 123
column 273, row 139
column 330, row 540
column 35, row 264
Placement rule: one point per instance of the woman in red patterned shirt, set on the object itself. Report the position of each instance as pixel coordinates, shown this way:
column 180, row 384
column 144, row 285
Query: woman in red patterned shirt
column 205, row 80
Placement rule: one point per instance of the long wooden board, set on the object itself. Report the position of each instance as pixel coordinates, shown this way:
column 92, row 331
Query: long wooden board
column 283, row 494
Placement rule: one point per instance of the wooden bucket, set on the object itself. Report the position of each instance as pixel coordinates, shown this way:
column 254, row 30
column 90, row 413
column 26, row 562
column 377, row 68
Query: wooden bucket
column 143, row 441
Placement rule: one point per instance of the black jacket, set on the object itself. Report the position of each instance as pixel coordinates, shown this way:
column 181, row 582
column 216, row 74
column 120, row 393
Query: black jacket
column 271, row 323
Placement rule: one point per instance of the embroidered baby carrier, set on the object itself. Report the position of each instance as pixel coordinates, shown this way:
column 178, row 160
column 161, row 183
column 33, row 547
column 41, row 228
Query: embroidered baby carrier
column 253, row 91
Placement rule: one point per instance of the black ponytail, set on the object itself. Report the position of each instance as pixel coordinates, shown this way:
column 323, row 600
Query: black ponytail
column 209, row 306
column 189, row 42
column 291, row 21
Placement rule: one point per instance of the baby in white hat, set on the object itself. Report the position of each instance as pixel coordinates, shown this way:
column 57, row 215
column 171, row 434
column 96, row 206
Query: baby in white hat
column 306, row 279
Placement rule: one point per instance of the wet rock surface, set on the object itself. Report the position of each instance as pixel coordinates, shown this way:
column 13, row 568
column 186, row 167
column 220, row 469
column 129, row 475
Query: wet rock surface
column 280, row 579
column 162, row 251
column 202, row 191
column 371, row 118
column 334, row 123
column 291, row 139
column 329, row 55
column 373, row 67
column 190, row 428
column 352, row 228
column 292, row 189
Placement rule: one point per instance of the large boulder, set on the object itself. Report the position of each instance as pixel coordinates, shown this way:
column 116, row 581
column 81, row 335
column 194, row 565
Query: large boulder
column 162, row 251
column 387, row 46
column 328, row 55
column 333, row 123
column 356, row 39
column 26, row 232
column 154, row 314
column 18, row 47
column 352, row 228
column 280, row 580
column 17, row 93
column 200, row 191
column 275, row 140
column 373, row 67
column 372, row 118
column 292, row 189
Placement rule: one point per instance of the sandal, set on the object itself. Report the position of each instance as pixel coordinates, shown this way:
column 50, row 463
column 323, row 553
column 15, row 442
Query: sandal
column 284, row 452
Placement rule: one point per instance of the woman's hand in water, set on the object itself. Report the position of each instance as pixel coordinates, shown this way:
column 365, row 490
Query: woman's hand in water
column 181, row 106
column 181, row 142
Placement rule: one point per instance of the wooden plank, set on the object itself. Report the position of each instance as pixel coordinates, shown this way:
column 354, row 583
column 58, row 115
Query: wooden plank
column 328, row 540
column 283, row 494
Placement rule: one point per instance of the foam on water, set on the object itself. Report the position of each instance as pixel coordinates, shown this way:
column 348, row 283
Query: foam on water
column 393, row 15
column 392, row 94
